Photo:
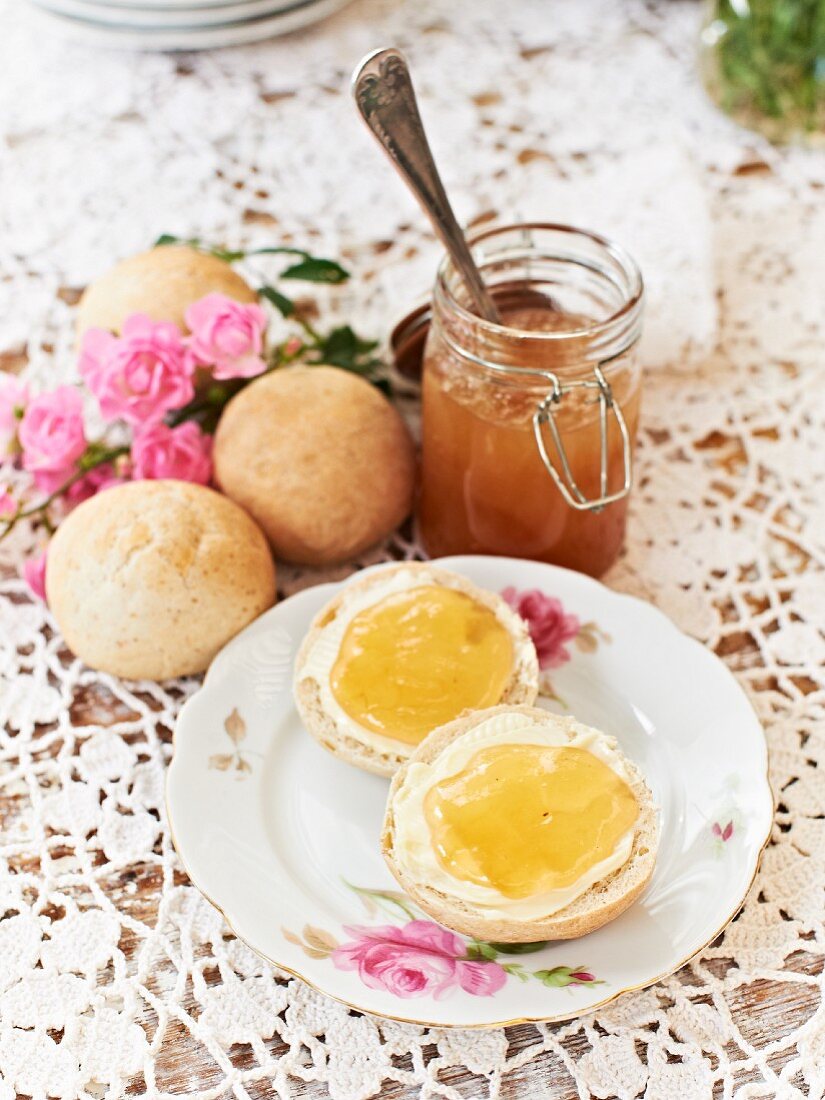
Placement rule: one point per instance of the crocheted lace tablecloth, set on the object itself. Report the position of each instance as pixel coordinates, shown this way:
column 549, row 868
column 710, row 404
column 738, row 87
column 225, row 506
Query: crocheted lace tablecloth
column 115, row 975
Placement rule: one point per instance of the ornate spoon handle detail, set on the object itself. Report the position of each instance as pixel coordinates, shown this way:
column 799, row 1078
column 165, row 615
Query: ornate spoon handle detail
column 384, row 95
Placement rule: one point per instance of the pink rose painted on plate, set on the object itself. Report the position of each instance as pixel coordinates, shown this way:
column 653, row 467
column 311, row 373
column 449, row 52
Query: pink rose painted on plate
column 551, row 629
column 419, row 958
column 550, row 626
column 416, row 959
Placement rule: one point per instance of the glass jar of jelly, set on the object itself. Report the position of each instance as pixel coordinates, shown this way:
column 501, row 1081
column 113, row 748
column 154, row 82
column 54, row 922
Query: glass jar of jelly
column 528, row 426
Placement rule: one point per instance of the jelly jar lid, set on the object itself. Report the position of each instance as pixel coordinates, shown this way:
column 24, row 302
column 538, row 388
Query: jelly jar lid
column 407, row 341
column 409, row 336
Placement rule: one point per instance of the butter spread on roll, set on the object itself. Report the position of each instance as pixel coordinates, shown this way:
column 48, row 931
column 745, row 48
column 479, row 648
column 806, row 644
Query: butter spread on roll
column 518, row 825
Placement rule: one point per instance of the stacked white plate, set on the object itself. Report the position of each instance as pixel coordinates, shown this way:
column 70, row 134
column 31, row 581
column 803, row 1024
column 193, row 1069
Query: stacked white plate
column 182, row 24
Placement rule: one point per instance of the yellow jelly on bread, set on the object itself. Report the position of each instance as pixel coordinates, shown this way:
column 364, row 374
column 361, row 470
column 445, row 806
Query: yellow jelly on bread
column 414, row 660
column 518, row 824
column 403, row 650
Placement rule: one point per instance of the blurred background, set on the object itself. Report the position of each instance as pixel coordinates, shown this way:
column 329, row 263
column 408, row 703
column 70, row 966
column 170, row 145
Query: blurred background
column 595, row 111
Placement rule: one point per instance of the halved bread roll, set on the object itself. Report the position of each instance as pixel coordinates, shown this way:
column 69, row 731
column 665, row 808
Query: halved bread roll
column 600, row 903
column 317, row 705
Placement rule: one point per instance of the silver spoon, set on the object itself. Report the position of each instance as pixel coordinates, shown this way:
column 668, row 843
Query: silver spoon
column 384, row 95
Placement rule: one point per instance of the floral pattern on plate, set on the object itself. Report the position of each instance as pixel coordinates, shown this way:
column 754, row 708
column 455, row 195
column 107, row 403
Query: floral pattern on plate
column 420, row 958
column 551, row 629
column 727, row 823
column 235, row 761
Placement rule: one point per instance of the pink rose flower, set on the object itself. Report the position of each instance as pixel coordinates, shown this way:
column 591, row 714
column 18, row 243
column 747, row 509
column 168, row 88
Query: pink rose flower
column 100, row 478
column 550, row 627
column 185, row 453
column 420, row 958
column 141, row 374
column 482, row 979
column 227, row 336
column 14, row 397
column 34, row 574
column 52, row 437
column 8, row 505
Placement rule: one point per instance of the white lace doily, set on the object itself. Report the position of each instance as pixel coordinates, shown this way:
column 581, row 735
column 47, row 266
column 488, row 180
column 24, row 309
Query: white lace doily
column 114, row 973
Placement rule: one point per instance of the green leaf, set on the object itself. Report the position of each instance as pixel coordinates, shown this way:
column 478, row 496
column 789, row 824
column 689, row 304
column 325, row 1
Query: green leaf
column 385, row 898
column 283, row 304
column 342, row 348
column 217, row 394
column 519, row 948
column 557, row 978
column 516, row 970
column 339, row 346
column 227, row 255
column 91, row 456
column 169, row 238
column 480, row 950
column 280, row 249
column 314, row 270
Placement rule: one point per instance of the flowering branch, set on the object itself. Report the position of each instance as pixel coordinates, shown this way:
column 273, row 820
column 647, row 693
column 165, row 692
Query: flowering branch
column 310, row 268
column 96, row 455
column 340, row 347
column 167, row 388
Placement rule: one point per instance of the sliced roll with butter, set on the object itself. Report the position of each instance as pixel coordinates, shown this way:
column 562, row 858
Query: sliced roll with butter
column 515, row 825
column 401, row 651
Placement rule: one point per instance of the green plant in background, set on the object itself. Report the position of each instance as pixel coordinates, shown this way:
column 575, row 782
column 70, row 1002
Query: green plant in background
column 764, row 63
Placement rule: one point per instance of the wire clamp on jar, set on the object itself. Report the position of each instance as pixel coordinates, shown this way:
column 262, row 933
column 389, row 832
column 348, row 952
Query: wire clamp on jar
column 565, row 482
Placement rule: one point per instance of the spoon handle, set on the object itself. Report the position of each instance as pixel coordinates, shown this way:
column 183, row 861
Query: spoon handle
column 384, row 95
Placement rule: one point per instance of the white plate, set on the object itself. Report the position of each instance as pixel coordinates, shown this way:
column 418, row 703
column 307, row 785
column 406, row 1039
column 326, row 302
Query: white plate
column 230, row 33
column 176, row 18
column 283, row 838
column 125, row 7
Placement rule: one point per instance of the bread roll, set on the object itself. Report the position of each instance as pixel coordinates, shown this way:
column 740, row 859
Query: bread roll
column 601, row 903
column 161, row 283
column 150, row 579
column 331, row 734
column 320, row 458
